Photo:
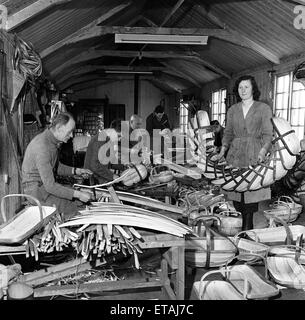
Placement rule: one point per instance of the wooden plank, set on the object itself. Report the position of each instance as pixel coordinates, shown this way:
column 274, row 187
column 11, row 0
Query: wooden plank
column 16, row 151
column 93, row 53
column 172, row 12
column 161, row 244
column 100, row 69
column 180, row 274
column 60, row 274
column 102, row 30
column 171, row 256
column 4, row 250
column 96, row 287
column 139, row 295
column 55, row 272
column 30, row 11
column 113, row 194
column 145, row 201
column 169, row 291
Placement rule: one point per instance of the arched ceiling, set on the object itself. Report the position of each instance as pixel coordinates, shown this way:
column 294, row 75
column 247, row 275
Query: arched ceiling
column 76, row 38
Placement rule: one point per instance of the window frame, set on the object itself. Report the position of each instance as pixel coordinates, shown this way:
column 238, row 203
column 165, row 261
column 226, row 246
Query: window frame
column 290, row 108
column 221, row 106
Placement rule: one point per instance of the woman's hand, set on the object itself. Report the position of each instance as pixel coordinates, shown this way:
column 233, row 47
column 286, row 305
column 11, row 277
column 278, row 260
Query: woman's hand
column 220, row 156
column 261, row 155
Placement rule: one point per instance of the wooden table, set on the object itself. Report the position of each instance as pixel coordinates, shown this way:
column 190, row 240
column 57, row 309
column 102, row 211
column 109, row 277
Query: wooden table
column 172, row 256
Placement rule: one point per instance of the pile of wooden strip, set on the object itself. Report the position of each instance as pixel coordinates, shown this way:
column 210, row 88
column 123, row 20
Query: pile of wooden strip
column 99, row 240
column 119, row 214
column 51, row 239
column 104, row 194
column 103, row 229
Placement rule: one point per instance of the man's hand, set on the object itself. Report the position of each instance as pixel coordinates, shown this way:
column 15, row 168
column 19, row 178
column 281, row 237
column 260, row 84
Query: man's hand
column 83, row 172
column 82, row 195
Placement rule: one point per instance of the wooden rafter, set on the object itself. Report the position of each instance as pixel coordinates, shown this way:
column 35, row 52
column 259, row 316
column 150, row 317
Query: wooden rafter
column 239, row 39
column 99, row 68
column 30, row 11
column 88, row 29
column 92, row 31
column 93, row 77
column 92, row 83
column 170, row 14
column 301, row 2
column 94, row 54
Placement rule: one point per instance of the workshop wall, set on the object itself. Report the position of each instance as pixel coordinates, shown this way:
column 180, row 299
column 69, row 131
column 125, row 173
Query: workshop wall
column 122, row 92
column 10, row 181
column 262, row 75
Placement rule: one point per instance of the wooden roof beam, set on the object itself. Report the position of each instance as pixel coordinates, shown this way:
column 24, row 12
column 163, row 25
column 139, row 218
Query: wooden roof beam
column 92, row 54
column 88, row 29
column 239, row 39
column 30, row 11
column 92, row 31
column 98, row 68
column 301, row 2
column 94, row 77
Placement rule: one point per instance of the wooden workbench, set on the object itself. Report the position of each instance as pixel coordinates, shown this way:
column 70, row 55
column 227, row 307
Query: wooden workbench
column 172, row 256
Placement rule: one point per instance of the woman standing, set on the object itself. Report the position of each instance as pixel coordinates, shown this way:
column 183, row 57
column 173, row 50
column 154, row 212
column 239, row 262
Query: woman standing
column 247, row 137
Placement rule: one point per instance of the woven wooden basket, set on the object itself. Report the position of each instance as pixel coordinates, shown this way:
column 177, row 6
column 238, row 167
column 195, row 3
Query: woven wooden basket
column 159, row 176
column 230, row 222
column 249, row 250
column 213, row 250
column 281, row 209
column 296, row 208
column 26, row 222
column 277, row 235
column 286, row 270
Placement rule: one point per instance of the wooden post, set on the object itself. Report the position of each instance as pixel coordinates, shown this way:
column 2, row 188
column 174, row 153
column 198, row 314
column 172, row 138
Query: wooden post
column 136, row 94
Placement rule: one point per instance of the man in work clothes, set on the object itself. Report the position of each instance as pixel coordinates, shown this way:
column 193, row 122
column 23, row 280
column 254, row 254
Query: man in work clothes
column 40, row 164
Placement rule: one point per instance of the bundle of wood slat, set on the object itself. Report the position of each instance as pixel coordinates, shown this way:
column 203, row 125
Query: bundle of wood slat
column 121, row 214
column 103, row 229
column 51, row 239
column 103, row 195
column 99, row 240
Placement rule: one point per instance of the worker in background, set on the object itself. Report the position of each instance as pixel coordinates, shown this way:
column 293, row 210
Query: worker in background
column 138, row 140
column 218, row 131
column 40, row 165
column 156, row 122
column 101, row 172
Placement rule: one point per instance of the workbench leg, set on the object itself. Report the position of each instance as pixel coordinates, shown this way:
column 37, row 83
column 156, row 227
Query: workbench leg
column 180, row 274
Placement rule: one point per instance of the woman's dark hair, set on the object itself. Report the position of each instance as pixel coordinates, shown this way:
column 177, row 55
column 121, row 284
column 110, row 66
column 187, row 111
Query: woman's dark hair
column 116, row 124
column 256, row 93
column 214, row 123
column 159, row 109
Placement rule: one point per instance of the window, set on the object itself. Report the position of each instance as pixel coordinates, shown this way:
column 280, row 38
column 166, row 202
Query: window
column 184, row 113
column 218, row 105
column 290, row 102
